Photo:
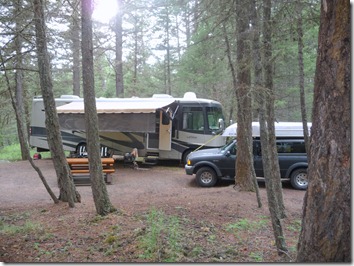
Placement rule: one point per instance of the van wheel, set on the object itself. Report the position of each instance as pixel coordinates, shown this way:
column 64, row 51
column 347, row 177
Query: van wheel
column 299, row 179
column 206, row 177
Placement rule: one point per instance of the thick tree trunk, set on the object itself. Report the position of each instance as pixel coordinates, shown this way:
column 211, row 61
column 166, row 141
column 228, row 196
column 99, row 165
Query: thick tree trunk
column 326, row 225
column 99, row 190
column 65, row 180
column 245, row 173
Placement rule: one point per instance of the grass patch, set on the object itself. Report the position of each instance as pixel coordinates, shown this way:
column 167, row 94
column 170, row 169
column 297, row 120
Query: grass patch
column 13, row 153
column 26, row 228
column 246, row 225
column 295, row 226
column 162, row 237
column 13, row 225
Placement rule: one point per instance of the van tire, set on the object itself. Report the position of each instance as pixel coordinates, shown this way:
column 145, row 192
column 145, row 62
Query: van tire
column 206, row 177
column 299, row 179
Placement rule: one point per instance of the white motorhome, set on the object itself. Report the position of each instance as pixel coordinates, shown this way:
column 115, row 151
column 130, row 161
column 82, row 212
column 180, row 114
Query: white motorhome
column 160, row 127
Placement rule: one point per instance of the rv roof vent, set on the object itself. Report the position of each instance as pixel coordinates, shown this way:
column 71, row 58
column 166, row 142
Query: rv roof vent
column 161, row 96
column 190, row 95
column 69, row 97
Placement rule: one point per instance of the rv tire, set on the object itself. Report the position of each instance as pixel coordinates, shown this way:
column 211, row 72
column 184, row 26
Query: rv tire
column 185, row 155
column 81, row 150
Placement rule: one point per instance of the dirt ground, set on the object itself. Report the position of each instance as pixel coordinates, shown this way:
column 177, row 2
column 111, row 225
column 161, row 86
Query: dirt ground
column 162, row 216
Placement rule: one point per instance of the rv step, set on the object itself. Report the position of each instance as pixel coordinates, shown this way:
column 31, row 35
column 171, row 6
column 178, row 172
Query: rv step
column 151, row 160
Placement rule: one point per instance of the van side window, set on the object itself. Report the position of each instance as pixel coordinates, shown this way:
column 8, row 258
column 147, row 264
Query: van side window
column 257, row 148
column 233, row 150
column 193, row 118
column 291, row 147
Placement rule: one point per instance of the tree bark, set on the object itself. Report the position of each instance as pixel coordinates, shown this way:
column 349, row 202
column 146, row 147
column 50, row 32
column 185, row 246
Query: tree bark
column 302, row 76
column 119, row 50
column 75, row 42
column 19, row 79
column 168, row 52
column 257, row 65
column 268, row 139
column 98, row 186
column 245, row 173
column 326, row 224
column 65, row 180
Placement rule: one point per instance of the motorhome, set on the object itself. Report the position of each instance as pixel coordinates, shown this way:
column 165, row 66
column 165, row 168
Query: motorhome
column 160, row 127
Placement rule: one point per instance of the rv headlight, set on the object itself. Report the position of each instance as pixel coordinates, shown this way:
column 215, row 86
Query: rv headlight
column 189, row 162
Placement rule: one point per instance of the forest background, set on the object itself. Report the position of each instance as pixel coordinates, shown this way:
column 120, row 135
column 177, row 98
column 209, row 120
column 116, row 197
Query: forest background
column 156, row 46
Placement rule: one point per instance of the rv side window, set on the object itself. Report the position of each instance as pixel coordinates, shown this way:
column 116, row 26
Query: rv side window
column 214, row 114
column 291, row 147
column 193, row 118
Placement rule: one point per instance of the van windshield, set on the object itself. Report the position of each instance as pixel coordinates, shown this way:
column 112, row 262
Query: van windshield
column 225, row 147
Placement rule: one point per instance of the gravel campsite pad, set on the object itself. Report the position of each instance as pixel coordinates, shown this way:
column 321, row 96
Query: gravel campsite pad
column 162, row 216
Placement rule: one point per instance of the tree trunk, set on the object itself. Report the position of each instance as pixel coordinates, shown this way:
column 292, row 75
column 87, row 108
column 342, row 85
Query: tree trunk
column 168, row 52
column 268, row 140
column 19, row 78
column 119, row 50
column 22, row 135
column 326, row 224
column 75, row 41
column 136, row 51
column 302, row 76
column 99, row 190
column 65, row 180
column 269, row 105
column 245, row 173
column 256, row 54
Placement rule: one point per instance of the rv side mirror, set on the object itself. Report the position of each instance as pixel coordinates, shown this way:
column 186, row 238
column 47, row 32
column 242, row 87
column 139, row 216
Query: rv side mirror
column 165, row 118
column 221, row 124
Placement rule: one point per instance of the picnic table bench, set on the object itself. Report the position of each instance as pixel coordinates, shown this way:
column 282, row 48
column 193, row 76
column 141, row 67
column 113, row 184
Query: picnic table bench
column 80, row 166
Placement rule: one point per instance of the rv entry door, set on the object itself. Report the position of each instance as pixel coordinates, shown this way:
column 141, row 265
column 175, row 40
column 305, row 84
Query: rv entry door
column 165, row 133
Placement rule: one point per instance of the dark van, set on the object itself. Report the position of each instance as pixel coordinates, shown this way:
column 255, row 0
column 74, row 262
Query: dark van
column 210, row 165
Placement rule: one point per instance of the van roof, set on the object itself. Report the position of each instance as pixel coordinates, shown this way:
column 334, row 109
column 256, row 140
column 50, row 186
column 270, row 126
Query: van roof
column 282, row 129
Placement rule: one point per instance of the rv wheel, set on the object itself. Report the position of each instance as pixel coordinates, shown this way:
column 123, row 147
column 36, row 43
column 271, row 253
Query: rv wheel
column 81, row 150
column 185, row 155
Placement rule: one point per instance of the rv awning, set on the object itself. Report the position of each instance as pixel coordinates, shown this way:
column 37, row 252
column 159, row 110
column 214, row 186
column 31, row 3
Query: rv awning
column 125, row 115
column 124, row 105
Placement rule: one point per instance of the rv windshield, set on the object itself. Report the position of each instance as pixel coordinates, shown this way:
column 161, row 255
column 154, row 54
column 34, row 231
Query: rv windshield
column 215, row 116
